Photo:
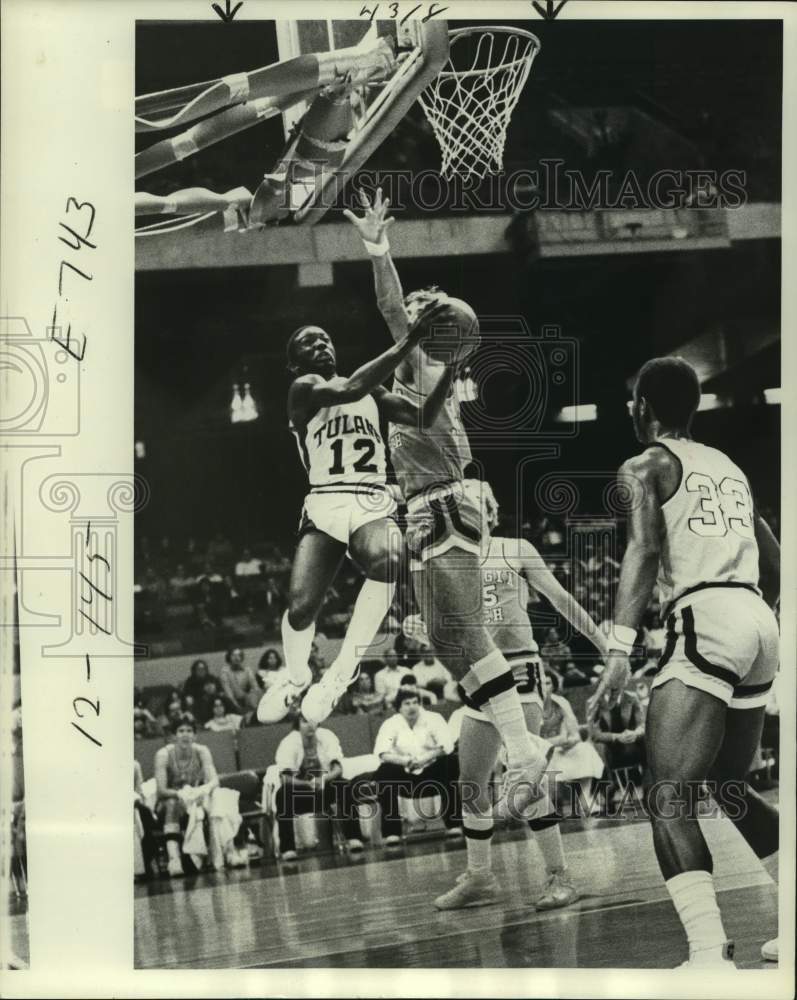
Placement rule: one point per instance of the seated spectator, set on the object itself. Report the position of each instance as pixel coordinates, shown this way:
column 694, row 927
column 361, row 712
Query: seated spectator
column 554, row 651
column 364, row 700
column 549, row 671
column 310, row 762
column 416, row 754
column 202, row 707
column 408, row 648
column 145, row 725
column 387, row 681
column 240, row 683
column 187, row 782
column 572, row 676
column 194, row 684
column 222, row 721
column 427, row 697
column 173, row 710
column 247, row 565
column 270, row 669
column 431, row 674
column 621, row 730
column 144, row 722
column 180, row 584
column 574, row 761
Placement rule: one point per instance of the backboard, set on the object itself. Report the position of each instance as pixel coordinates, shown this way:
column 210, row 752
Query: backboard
column 298, row 38
column 421, row 50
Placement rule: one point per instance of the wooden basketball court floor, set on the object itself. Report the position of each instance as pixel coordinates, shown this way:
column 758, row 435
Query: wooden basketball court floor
column 375, row 911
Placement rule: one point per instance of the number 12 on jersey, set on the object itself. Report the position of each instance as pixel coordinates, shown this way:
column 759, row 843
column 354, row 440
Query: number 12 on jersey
column 363, row 463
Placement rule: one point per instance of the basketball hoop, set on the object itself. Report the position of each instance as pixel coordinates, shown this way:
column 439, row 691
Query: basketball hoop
column 470, row 102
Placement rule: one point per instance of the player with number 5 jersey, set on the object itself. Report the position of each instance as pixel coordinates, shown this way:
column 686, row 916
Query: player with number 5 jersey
column 693, row 530
column 349, row 508
column 445, row 523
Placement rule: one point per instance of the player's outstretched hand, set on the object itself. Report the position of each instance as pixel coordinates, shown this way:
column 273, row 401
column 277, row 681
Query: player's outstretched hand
column 612, row 681
column 373, row 224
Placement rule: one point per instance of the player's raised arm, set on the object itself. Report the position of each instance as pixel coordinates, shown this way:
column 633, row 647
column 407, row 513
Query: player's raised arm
column 768, row 560
column 310, row 392
column 372, row 227
column 532, row 566
column 403, row 411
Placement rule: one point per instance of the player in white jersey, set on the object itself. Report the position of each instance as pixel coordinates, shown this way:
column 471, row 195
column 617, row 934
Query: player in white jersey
column 510, row 569
column 444, row 516
column 693, row 527
column 349, row 508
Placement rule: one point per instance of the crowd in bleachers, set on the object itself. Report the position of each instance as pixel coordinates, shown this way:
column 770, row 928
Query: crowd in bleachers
column 196, row 596
column 384, row 766
column 389, row 731
column 602, row 759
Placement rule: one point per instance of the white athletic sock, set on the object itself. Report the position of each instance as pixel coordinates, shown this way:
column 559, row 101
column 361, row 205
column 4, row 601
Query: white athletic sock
column 696, row 903
column 478, row 840
column 173, row 849
column 372, row 604
column 549, row 841
column 296, row 647
column 770, row 866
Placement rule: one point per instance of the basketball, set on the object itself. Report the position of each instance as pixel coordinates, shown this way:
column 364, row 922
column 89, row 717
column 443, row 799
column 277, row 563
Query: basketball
column 453, row 331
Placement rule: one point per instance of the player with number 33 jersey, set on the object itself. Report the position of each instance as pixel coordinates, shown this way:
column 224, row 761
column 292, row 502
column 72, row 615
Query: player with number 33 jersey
column 693, row 532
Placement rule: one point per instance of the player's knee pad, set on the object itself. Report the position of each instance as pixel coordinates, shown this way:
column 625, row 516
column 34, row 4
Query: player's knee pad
column 544, row 822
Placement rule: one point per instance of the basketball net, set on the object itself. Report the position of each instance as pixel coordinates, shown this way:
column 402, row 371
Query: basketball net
column 470, row 102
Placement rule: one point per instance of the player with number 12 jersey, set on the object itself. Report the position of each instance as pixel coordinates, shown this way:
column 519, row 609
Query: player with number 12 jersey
column 348, row 510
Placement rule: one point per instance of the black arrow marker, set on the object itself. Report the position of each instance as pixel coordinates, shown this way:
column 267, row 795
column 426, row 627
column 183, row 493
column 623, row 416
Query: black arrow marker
column 227, row 15
column 550, row 10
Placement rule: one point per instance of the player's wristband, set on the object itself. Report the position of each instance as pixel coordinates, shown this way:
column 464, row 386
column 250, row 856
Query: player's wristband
column 622, row 638
column 377, row 249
